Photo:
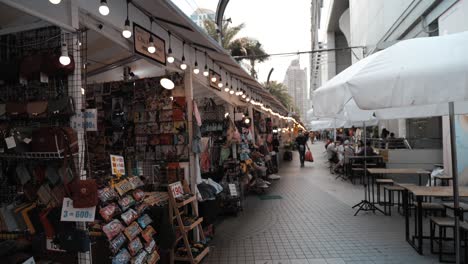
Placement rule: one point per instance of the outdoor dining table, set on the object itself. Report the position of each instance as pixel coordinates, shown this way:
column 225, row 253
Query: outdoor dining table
column 404, row 171
column 419, row 193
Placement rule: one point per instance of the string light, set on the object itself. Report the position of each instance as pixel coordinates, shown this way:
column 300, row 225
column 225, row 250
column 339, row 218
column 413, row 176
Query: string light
column 183, row 66
column 151, row 47
column 103, row 8
column 231, row 91
column 126, row 33
column 64, row 58
column 220, row 83
column 213, row 78
column 206, row 72
column 170, row 58
column 195, row 69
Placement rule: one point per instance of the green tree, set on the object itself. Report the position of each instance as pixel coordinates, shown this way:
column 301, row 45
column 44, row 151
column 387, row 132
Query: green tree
column 229, row 32
column 249, row 49
column 280, row 91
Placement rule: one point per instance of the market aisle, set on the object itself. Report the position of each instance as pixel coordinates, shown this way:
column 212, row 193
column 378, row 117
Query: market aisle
column 312, row 222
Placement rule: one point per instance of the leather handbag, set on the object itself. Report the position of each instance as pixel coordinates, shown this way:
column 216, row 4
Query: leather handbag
column 16, row 110
column 54, row 139
column 63, row 106
column 84, row 193
column 37, row 109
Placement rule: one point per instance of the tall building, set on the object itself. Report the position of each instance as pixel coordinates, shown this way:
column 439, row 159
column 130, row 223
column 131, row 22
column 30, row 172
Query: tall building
column 202, row 14
column 296, row 81
column 315, row 58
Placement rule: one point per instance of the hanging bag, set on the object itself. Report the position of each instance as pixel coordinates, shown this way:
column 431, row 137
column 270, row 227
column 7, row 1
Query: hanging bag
column 308, row 155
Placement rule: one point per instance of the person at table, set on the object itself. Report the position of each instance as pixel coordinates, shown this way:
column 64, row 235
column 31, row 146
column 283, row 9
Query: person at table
column 366, row 150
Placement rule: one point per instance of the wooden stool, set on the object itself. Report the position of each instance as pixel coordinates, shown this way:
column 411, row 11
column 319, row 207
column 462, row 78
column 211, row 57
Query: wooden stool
column 380, row 182
column 443, row 223
column 391, row 189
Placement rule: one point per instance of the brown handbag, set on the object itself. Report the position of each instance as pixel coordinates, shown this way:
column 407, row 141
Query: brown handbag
column 84, row 193
column 54, row 139
column 14, row 109
column 37, row 109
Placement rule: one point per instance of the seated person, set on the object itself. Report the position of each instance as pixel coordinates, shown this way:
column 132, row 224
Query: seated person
column 367, row 150
column 331, row 153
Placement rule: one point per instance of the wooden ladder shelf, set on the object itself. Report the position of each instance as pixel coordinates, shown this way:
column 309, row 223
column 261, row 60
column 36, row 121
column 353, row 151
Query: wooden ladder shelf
column 176, row 190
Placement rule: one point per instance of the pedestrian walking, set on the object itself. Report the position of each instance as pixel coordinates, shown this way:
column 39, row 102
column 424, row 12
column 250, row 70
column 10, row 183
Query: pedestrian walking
column 301, row 142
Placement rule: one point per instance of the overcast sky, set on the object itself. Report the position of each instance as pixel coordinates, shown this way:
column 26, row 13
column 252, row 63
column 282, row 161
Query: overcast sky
column 279, row 26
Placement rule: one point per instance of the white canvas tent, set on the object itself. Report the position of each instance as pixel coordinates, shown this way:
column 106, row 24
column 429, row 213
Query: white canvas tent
column 427, row 73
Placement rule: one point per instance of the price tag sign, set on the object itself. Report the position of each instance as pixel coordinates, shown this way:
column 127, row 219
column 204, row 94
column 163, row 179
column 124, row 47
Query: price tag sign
column 232, row 189
column 118, row 165
column 71, row 214
column 176, row 189
column 51, row 246
column 86, row 120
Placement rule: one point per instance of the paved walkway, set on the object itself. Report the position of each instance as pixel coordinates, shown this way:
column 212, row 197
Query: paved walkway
column 312, row 223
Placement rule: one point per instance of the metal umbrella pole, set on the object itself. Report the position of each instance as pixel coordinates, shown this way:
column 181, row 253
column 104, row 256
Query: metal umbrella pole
column 456, row 197
column 366, row 204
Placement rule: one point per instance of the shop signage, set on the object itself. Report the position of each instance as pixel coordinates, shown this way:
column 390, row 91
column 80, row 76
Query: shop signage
column 51, row 246
column 214, row 85
column 176, row 189
column 86, row 120
column 71, row 214
column 118, row 165
column 141, row 42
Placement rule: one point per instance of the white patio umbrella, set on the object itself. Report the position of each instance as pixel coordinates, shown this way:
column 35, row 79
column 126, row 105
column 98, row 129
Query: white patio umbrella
column 427, row 73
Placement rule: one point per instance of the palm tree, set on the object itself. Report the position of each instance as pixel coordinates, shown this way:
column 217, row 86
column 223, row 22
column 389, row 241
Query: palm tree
column 280, row 91
column 228, row 32
column 251, row 49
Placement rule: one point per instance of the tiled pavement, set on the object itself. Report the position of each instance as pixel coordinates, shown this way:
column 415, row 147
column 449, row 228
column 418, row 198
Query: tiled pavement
column 312, row 223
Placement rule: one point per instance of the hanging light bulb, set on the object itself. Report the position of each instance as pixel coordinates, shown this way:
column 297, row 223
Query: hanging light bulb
column 64, row 58
column 205, row 71
column 226, row 89
column 151, row 47
column 183, row 66
column 55, row 2
column 103, row 8
column 247, row 99
column 213, row 78
column 195, row 69
column 244, row 95
column 126, row 33
column 170, row 58
column 231, row 90
column 220, row 84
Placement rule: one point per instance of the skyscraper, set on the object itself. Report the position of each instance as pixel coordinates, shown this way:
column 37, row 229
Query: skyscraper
column 202, row 14
column 296, row 81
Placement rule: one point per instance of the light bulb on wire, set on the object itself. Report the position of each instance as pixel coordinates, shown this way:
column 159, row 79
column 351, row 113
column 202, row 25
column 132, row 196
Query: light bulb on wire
column 220, row 84
column 64, row 58
column 213, row 78
column 104, row 8
column 183, row 66
column 195, row 68
column 126, row 33
column 151, row 47
column 55, row 2
column 170, row 58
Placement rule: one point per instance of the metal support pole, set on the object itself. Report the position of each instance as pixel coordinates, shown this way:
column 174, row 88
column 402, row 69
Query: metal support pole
column 455, row 181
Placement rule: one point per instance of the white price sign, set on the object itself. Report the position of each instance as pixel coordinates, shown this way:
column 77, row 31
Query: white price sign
column 51, row 246
column 71, row 214
column 233, row 189
column 86, row 120
column 176, row 189
column 118, row 165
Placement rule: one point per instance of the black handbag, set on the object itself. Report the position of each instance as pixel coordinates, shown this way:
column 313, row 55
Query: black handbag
column 63, row 106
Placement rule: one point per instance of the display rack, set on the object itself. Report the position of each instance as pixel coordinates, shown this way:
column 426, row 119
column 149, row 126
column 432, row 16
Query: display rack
column 177, row 191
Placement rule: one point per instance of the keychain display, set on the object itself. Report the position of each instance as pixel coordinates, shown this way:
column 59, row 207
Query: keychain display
column 132, row 231
column 126, row 202
column 117, row 243
column 123, row 257
column 129, row 216
column 108, row 212
column 134, row 246
column 113, row 228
